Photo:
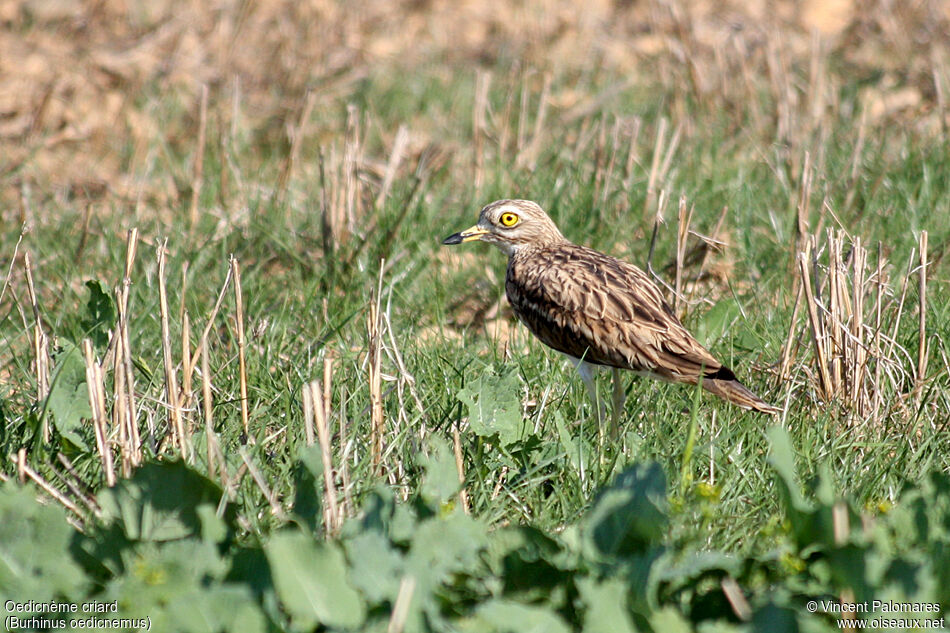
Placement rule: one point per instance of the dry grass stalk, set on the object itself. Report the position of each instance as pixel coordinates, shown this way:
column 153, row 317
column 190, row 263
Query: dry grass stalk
column 175, row 423
column 25, row 472
column 878, row 303
column 40, row 343
column 611, row 162
column 203, row 341
column 479, row 112
column 328, row 230
column 522, row 133
column 242, row 350
column 352, row 159
column 922, row 307
column 400, row 144
column 529, row 156
column 332, row 517
column 97, row 403
column 258, row 477
column 119, row 410
column 655, row 166
column 859, row 357
column 460, row 467
column 633, row 158
column 299, row 132
column 804, row 200
column 327, row 382
column 77, row 487
column 855, row 360
column 126, row 391
column 737, row 600
column 374, row 378
column 683, row 219
column 198, row 167
column 400, row 614
column 207, row 405
column 308, row 424
column 186, row 398
column 817, row 325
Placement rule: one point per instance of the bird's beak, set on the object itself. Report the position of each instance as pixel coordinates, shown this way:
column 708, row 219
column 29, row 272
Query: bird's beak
column 468, row 235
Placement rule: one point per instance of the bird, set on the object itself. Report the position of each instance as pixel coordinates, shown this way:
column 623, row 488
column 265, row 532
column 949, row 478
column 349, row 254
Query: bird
column 596, row 309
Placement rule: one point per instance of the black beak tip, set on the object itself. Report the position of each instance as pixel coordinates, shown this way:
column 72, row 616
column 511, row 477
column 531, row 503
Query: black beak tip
column 453, row 239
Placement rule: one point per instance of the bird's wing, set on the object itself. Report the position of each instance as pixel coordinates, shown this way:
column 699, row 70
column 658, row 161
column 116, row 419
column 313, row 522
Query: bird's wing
column 606, row 311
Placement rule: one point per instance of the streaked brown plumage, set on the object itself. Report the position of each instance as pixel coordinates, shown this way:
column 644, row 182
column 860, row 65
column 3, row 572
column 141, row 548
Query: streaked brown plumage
column 595, row 308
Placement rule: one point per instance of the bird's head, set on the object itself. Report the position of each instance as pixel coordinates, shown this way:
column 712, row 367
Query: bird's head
column 511, row 225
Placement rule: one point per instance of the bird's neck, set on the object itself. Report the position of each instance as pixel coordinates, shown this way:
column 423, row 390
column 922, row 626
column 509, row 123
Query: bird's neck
column 522, row 252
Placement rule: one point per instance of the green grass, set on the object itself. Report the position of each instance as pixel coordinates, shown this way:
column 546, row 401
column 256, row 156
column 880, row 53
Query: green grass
column 300, row 306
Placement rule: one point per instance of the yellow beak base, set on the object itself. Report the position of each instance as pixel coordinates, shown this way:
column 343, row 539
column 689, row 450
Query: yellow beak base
column 468, row 235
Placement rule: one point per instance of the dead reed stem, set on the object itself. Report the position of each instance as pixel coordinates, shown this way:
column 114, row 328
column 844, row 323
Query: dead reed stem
column 124, row 352
column 299, row 132
column 258, row 477
column 198, row 167
column 655, row 166
column 40, row 343
column 352, row 158
column 460, row 467
column 25, row 471
column 400, row 144
column 242, row 366
column 308, row 426
column 922, row 323
column 203, row 341
column 332, row 516
column 374, row 341
column 479, row 112
column 16, row 250
column 817, row 328
column 207, row 405
column 529, row 157
column 98, row 405
column 790, row 340
column 684, row 218
column 175, row 423
column 186, row 398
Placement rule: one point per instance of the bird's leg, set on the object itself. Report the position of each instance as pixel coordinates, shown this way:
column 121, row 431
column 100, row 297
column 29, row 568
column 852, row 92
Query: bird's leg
column 619, row 398
column 586, row 371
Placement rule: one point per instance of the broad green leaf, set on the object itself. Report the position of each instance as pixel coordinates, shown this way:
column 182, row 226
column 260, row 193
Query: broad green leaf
column 375, row 567
column 100, row 314
column 669, row 620
column 441, row 480
column 717, row 321
column 223, row 607
column 529, row 563
column 308, row 487
column 605, row 604
column 494, row 407
column 441, row 548
column 160, row 502
column 505, row 616
column 311, row 581
column 155, row 574
column 69, row 394
column 34, row 545
column 772, row 618
column 782, row 459
column 630, row 515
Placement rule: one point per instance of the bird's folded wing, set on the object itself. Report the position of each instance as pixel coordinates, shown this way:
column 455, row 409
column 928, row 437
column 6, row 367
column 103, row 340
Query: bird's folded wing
column 606, row 311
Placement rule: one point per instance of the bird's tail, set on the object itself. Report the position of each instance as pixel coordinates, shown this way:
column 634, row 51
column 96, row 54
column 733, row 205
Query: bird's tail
column 729, row 388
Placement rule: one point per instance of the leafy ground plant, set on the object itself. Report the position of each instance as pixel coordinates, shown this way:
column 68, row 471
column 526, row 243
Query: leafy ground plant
column 427, row 566
column 242, row 386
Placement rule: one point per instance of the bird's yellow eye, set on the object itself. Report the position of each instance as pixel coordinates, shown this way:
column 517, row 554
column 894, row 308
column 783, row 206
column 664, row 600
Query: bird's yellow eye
column 509, row 219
